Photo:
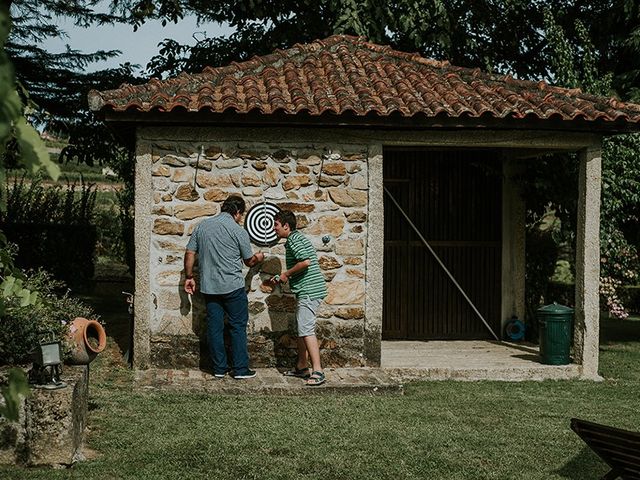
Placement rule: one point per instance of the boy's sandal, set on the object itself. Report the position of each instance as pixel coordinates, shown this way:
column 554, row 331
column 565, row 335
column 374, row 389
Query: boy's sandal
column 298, row 372
column 316, row 378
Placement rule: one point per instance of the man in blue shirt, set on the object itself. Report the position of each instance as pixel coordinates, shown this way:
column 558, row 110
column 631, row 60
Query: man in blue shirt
column 222, row 246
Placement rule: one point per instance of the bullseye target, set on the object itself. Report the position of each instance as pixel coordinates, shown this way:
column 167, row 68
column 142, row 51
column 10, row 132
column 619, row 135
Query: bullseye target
column 259, row 224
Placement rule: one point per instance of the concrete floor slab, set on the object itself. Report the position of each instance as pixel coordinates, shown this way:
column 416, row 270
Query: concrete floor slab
column 469, row 360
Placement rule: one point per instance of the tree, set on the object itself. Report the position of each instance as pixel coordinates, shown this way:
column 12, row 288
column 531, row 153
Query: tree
column 551, row 185
column 13, row 124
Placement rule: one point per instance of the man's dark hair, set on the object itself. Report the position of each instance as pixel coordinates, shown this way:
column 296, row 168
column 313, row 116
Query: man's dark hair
column 234, row 204
column 286, row 217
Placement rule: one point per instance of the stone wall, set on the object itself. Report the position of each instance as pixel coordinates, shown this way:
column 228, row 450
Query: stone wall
column 331, row 202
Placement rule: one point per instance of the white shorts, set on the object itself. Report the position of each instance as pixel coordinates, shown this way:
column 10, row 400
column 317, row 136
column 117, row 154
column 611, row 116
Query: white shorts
column 306, row 316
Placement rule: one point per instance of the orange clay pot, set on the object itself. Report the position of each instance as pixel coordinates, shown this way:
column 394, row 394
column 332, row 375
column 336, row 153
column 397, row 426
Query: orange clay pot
column 87, row 338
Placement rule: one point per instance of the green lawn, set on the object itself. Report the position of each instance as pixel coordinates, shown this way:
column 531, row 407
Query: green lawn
column 438, row 430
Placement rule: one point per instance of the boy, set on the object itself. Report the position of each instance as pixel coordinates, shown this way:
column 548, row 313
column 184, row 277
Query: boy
column 307, row 283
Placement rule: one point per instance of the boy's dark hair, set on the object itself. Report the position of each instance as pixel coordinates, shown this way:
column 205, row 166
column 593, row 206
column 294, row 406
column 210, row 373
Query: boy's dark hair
column 286, row 217
column 233, row 204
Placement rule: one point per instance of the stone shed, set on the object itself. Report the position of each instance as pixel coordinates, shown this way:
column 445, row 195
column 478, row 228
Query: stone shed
column 369, row 146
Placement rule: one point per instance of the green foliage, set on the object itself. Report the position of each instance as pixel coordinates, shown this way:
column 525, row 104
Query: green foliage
column 16, row 388
column 42, row 220
column 12, row 286
column 575, row 64
column 13, row 123
column 21, row 327
column 33, row 202
column 552, row 183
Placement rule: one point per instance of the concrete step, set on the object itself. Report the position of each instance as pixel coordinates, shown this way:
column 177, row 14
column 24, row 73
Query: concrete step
column 270, row 381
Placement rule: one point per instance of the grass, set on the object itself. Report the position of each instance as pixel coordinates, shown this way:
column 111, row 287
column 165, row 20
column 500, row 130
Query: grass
column 438, row 430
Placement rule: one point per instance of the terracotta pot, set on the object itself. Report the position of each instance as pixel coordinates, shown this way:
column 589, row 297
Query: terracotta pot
column 87, row 338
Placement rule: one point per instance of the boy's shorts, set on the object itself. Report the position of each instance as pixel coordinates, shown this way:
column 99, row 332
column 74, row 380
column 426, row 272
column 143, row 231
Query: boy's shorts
column 306, row 316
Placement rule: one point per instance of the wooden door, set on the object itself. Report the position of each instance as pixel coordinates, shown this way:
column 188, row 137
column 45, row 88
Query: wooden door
column 454, row 198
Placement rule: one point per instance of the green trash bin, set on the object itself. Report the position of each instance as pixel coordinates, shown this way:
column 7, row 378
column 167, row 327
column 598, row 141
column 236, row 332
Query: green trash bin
column 555, row 326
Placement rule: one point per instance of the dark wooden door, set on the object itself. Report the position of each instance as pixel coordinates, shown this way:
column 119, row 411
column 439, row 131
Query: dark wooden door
column 454, row 198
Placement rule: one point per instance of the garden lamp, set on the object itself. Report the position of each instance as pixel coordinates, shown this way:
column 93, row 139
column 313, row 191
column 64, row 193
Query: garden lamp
column 47, row 364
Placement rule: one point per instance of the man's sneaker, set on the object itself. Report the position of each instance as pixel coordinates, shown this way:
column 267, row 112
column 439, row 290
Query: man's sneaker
column 246, row 374
column 221, row 374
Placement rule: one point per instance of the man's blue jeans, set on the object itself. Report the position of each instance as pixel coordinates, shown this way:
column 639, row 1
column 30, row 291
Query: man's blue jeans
column 235, row 305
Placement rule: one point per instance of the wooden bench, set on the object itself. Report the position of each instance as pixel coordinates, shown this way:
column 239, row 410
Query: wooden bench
column 620, row 449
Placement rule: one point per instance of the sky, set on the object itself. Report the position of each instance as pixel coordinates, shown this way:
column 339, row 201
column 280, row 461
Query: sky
column 136, row 47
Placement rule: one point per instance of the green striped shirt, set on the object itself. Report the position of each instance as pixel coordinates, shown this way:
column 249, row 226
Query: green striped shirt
column 310, row 281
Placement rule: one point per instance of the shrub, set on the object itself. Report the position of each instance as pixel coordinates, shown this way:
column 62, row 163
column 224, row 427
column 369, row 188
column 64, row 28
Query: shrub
column 21, row 328
column 53, row 228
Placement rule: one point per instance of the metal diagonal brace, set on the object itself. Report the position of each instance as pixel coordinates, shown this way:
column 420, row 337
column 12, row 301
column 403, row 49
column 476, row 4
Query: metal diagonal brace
column 435, row 255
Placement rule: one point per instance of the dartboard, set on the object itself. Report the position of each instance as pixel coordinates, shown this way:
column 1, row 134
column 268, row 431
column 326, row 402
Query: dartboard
column 259, row 223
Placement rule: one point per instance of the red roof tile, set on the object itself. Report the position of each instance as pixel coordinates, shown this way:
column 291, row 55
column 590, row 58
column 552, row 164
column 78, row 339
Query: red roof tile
column 344, row 74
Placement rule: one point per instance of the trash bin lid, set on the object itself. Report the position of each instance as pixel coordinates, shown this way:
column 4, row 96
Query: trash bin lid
column 555, row 309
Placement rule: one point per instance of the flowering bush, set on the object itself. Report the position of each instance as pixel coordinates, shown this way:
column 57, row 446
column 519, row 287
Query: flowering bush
column 609, row 292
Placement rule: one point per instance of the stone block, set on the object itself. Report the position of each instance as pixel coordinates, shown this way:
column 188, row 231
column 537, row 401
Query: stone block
column 350, row 247
column 173, row 161
column 252, row 191
column 348, row 197
column 335, row 168
column 296, row 182
column 189, row 212
column 163, row 226
column 327, row 225
column 230, row 163
column 213, row 180
column 165, row 210
column 51, row 428
column 250, row 179
column 328, row 263
column 310, row 160
column 161, row 171
column 359, row 182
column 216, row 195
column 182, row 175
column 201, row 164
column 186, row 193
column 353, row 261
column 297, row 207
column 271, row 176
column 349, row 313
column 348, row 292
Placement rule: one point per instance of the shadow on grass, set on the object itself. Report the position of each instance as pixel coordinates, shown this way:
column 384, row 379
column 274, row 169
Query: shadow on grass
column 583, row 466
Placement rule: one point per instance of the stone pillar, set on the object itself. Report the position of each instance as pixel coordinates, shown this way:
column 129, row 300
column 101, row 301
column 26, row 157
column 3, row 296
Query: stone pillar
column 513, row 245
column 375, row 256
column 587, row 310
column 143, row 303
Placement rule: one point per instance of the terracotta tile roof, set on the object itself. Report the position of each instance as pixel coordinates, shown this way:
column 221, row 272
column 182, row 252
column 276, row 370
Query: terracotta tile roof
column 344, row 74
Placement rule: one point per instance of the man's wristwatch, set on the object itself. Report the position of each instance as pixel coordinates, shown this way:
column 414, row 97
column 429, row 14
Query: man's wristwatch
column 189, row 277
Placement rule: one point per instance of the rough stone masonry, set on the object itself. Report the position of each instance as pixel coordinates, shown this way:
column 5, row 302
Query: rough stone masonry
column 326, row 186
